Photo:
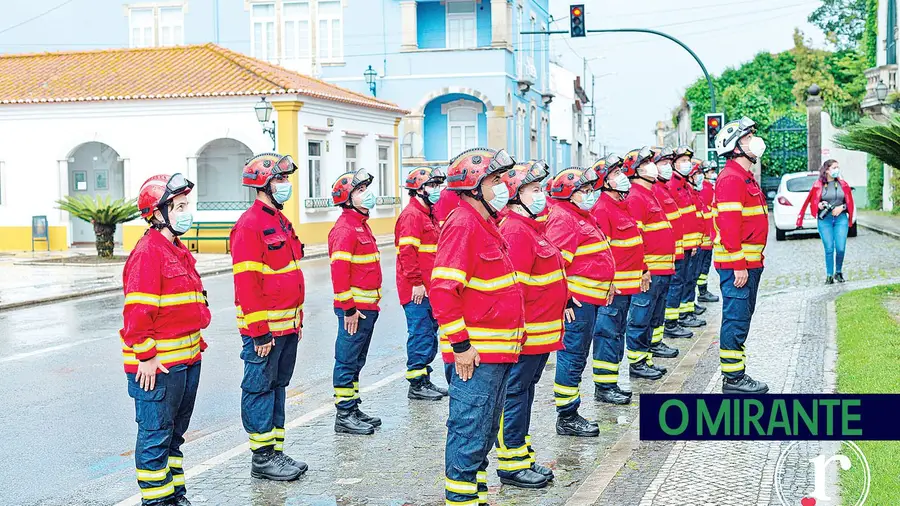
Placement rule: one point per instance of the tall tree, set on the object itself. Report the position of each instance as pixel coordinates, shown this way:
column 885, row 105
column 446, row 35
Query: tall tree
column 843, row 21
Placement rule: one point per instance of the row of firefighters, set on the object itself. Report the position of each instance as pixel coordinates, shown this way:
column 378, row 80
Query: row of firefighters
column 498, row 265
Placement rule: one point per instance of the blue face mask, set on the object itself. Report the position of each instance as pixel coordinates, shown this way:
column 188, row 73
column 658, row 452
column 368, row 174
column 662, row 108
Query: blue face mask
column 182, row 223
column 835, row 173
column 539, row 203
column 368, row 199
column 282, row 192
column 587, row 201
column 501, row 197
column 434, row 195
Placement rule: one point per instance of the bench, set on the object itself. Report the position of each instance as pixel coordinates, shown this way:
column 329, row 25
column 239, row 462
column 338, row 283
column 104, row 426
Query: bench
column 199, row 226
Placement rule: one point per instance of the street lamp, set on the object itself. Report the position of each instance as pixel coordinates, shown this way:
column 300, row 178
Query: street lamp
column 881, row 91
column 370, row 75
column 263, row 113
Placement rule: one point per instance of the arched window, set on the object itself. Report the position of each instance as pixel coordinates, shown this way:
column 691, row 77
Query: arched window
column 462, row 125
column 219, row 168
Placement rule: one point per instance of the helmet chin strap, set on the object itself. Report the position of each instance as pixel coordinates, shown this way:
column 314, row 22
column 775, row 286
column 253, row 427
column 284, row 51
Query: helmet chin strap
column 746, row 155
column 479, row 196
column 268, row 191
column 164, row 211
column 518, row 201
column 424, row 197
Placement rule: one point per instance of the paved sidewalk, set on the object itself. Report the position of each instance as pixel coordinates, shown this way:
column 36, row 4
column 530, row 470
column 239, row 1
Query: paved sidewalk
column 881, row 222
column 23, row 282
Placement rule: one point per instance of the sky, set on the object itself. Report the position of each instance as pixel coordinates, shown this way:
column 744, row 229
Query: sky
column 641, row 77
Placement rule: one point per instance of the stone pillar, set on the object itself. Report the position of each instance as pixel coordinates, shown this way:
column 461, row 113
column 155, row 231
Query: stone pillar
column 814, row 128
column 409, row 26
column 499, row 23
column 887, row 202
column 496, row 126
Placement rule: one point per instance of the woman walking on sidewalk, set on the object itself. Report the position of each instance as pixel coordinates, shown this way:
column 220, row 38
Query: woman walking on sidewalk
column 832, row 198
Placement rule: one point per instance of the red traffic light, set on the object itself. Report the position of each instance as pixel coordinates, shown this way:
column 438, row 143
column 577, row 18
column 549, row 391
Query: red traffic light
column 713, row 122
column 576, row 11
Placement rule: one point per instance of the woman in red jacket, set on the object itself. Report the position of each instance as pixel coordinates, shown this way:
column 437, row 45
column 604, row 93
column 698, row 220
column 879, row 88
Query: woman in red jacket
column 832, row 199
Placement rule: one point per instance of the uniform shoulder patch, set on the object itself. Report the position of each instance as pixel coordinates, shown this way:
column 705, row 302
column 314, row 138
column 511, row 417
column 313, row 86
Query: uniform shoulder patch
column 269, row 231
column 360, row 229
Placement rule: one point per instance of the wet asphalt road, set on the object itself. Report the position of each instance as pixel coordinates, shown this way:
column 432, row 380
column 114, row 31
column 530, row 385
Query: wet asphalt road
column 68, row 420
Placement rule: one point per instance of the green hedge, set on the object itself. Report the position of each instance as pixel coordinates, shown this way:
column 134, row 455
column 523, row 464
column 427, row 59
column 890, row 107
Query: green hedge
column 874, row 182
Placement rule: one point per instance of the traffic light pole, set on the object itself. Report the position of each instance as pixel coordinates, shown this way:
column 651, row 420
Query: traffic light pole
column 712, row 90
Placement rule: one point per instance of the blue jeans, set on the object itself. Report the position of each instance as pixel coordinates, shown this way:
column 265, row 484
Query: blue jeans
column 422, row 343
column 476, row 406
column 350, row 354
column 163, row 415
column 513, row 442
column 571, row 360
column 659, row 287
column 833, row 231
column 689, row 287
column 676, row 286
column 609, row 340
column 264, row 388
column 705, row 263
column 738, row 305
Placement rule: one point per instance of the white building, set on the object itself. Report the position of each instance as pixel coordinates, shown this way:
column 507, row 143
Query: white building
column 102, row 122
column 568, row 121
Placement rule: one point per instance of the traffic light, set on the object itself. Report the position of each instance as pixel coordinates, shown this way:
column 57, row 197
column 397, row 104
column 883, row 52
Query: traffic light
column 576, row 20
column 714, row 123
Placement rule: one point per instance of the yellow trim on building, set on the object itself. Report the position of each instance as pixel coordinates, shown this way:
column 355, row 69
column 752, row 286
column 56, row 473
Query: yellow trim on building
column 397, row 160
column 317, row 232
column 287, row 134
column 19, row 239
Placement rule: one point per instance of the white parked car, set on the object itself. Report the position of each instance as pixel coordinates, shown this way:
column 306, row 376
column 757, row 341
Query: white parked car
column 792, row 192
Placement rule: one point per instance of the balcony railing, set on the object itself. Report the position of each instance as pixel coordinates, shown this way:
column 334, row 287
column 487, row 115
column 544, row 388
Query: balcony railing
column 325, row 203
column 884, row 73
column 237, row 205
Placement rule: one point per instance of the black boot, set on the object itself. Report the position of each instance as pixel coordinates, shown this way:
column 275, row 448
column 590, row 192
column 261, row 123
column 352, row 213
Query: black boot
column 610, row 395
column 443, row 391
column 523, row 478
column 296, row 463
column 829, row 280
column 659, row 368
column 676, row 331
column 839, row 277
column 699, row 310
column 743, row 385
column 374, row 421
column 689, row 320
column 574, row 424
column 662, row 350
column 419, row 391
column 268, row 465
column 348, row 422
column 705, row 295
column 546, row 471
column 643, row 371
column 623, row 392
column 180, row 501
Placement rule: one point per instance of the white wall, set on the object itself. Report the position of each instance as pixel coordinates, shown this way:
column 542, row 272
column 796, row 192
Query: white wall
column 853, row 163
column 561, row 120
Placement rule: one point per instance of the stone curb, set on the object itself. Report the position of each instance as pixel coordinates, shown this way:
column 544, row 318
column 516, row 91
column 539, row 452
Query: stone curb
column 878, row 230
column 116, row 287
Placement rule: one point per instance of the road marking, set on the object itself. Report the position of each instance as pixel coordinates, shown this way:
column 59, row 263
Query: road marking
column 221, row 458
column 42, row 351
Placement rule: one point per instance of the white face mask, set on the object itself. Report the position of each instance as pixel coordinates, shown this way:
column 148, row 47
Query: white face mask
column 621, row 184
column 757, row 146
column 665, row 170
column 650, row 170
column 684, row 168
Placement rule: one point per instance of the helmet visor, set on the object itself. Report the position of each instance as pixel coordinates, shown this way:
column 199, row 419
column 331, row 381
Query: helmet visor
column 177, row 185
column 438, row 176
column 537, row 172
column 501, row 161
column 361, row 177
column 613, row 161
column 588, row 178
column 284, row 166
column 645, row 153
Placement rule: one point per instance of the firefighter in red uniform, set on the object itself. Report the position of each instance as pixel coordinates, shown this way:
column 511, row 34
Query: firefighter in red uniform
column 662, row 161
column 632, row 305
column 356, row 278
column 707, row 194
column 659, row 253
column 481, row 314
column 539, row 272
column 694, row 183
column 415, row 236
column 742, row 225
column 692, row 231
column 590, row 270
column 165, row 308
column 448, row 201
column 268, row 292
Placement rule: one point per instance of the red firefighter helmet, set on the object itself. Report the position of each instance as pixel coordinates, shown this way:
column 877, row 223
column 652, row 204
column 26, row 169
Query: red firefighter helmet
column 467, row 170
column 683, row 151
column 604, row 166
column 159, row 190
column 634, row 159
column 346, row 183
column 420, row 176
column 696, row 167
column 548, row 186
column 523, row 174
column 568, row 181
column 261, row 168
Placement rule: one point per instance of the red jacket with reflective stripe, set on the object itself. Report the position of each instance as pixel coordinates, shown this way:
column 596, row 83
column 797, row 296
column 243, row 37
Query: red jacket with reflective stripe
column 415, row 236
column 659, row 240
column 268, row 284
column 625, row 240
column 539, row 273
column 474, row 294
column 742, row 221
column 590, row 267
column 165, row 307
column 445, row 205
column 670, row 208
column 707, row 196
column 691, row 230
column 355, row 263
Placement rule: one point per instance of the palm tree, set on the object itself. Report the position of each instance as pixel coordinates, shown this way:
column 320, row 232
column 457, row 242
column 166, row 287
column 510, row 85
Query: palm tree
column 877, row 138
column 104, row 214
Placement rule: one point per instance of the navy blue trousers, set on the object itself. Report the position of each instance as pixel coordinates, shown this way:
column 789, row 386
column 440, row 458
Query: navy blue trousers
column 264, row 387
column 571, row 360
column 676, row 288
column 738, row 306
column 514, row 451
column 422, row 340
column 350, row 354
column 609, row 340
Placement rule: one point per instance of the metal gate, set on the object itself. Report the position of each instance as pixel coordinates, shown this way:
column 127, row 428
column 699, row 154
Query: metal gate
column 787, row 150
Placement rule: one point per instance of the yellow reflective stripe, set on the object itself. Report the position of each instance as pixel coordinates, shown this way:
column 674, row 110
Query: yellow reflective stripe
column 724, row 207
column 628, row 283
column 673, row 216
column 346, row 256
column 688, row 209
column 588, row 282
column 428, row 248
column 343, row 296
column 509, row 453
column 293, row 265
column 417, row 373
column 628, row 274
column 736, row 367
column 659, row 258
column 610, row 366
column 449, row 273
column 255, row 317
column 737, row 354
column 145, row 346
column 176, row 462
column 543, row 326
column 626, row 243
column 589, row 249
column 178, row 480
column 145, row 475
column 490, row 285
column 247, row 266
column 541, row 279
column 513, row 465
column 178, row 344
column 460, row 487
column 567, row 255
column 157, row 492
column 542, row 218
column 409, row 241
column 753, row 248
column 721, row 255
column 176, row 299
column 166, row 357
column 564, row 390
column 481, row 333
column 366, row 259
column 453, row 327
column 753, row 211
column 640, row 225
column 487, row 347
column 344, row 392
column 590, row 292
column 473, row 502
column 141, row 298
column 606, row 378
column 542, row 339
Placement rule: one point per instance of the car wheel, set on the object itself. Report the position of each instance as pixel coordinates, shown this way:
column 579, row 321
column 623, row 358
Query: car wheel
column 852, row 231
column 780, row 235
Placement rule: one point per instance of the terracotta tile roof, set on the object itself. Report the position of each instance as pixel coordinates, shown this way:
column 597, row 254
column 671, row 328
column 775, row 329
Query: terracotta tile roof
column 204, row 70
